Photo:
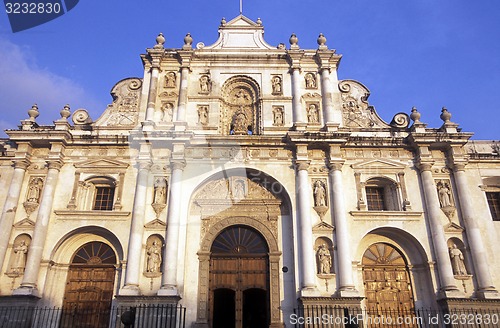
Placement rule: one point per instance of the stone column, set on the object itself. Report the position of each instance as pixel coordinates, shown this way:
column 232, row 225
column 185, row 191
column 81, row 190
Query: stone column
column 134, row 252
column 35, row 251
column 298, row 114
column 443, row 262
column 181, row 108
column 345, row 277
column 10, row 206
column 306, row 250
column 327, row 91
column 478, row 252
column 153, row 86
column 169, row 274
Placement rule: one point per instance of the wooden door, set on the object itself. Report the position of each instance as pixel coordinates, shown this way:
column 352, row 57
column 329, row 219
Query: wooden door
column 388, row 287
column 89, row 287
column 239, row 280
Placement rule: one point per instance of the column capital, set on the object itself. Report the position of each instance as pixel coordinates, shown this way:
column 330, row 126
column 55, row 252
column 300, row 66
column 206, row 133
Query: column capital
column 425, row 166
column 457, row 167
column 178, row 164
column 336, row 166
column 302, row 165
column 55, row 164
column 143, row 165
column 21, row 164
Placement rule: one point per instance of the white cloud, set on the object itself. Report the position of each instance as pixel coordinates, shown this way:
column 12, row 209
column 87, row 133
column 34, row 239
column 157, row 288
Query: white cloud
column 23, row 83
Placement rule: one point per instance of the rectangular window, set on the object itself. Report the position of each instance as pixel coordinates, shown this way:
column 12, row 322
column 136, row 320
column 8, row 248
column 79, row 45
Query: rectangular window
column 494, row 203
column 104, row 198
column 375, row 199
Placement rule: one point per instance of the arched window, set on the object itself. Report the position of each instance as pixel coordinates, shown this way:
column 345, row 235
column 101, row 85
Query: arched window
column 381, row 195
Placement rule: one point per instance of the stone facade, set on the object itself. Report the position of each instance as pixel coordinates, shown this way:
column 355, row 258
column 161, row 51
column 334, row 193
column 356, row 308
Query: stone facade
column 241, row 134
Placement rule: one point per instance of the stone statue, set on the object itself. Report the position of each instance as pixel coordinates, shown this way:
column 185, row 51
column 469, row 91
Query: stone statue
column 168, row 113
column 154, row 258
column 203, row 115
column 457, row 261
column 160, row 191
column 313, row 114
column 319, row 194
column 35, row 190
column 324, row 259
column 239, row 190
column 240, row 125
column 278, row 117
column 276, row 82
column 205, row 84
column 170, row 80
column 310, row 81
column 444, row 193
column 20, row 257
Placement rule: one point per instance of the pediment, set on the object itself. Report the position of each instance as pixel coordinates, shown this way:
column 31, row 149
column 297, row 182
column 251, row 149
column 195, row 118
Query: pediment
column 101, row 163
column 452, row 227
column 156, row 224
column 25, row 224
column 241, row 21
column 379, row 164
column 323, row 227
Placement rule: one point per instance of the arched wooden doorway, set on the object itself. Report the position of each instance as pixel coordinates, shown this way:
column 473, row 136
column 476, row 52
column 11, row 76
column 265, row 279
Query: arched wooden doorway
column 387, row 283
column 239, row 279
column 89, row 287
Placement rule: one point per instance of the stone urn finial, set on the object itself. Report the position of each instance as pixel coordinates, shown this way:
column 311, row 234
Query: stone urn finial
column 445, row 115
column 65, row 113
column 259, row 21
column 294, row 41
column 415, row 115
column 188, row 41
column 33, row 113
column 322, row 41
column 223, row 21
column 160, row 40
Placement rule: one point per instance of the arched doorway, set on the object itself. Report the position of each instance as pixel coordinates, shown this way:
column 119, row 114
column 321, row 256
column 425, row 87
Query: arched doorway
column 387, row 282
column 239, row 279
column 89, row 287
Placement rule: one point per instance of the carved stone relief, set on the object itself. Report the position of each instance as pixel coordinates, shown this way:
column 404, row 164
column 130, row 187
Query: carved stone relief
column 310, row 79
column 153, row 256
column 278, row 116
column 205, row 84
column 35, row 187
column 124, row 109
column 19, row 255
column 445, row 195
column 324, row 257
column 320, row 197
column 203, row 115
column 276, row 82
column 240, row 106
column 160, row 195
column 313, row 113
column 170, row 80
column 165, row 113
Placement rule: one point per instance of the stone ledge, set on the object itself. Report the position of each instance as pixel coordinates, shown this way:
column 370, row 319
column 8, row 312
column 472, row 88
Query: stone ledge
column 386, row 215
column 91, row 215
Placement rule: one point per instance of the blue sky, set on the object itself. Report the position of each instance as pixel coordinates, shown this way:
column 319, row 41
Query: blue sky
column 422, row 53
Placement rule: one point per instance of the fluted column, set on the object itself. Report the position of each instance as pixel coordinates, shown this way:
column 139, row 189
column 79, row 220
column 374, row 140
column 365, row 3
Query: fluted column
column 478, row 252
column 10, row 205
column 134, row 252
column 35, row 251
column 345, row 277
column 443, row 262
column 169, row 274
column 306, row 250
column 153, row 86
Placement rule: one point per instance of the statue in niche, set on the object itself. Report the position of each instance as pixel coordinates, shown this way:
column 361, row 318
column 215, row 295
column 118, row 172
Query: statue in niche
column 160, row 191
column 444, row 193
column 154, row 258
column 170, row 80
column 276, row 83
column 203, row 115
column 35, row 190
column 313, row 114
column 240, row 122
column 19, row 261
column 168, row 112
column 324, row 259
column 310, row 81
column 319, row 193
column 457, row 261
column 239, row 189
column 278, row 117
column 205, row 84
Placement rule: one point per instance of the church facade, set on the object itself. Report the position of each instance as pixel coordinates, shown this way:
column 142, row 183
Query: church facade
column 241, row 181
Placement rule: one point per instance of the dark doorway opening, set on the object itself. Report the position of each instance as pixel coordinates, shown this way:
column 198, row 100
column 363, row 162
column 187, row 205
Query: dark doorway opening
column 255, row 308
column 224, row 308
